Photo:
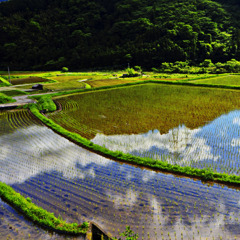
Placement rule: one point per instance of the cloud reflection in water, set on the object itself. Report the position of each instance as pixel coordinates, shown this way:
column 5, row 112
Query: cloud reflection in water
column 209, row 146
column 30, row 151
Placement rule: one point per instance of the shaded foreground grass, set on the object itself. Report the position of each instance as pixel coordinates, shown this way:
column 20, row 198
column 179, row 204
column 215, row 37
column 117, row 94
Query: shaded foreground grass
column 204, row 174
column 138, row 109
column 39, row 215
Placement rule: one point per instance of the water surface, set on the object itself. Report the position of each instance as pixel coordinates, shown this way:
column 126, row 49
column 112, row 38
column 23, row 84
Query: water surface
column 214, row 146
column 79, row 185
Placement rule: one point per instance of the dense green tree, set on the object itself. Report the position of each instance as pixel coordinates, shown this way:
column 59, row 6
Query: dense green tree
column 41, row 34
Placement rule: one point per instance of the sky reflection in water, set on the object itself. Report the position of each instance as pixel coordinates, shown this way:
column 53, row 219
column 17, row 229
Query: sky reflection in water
column 68, row 180
column 215, row 145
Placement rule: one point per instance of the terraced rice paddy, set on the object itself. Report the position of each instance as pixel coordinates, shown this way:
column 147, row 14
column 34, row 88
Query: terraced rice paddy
column 214, row 146
column 229, row 80
column 28, row 80
column 65, row 82
column 14, row 226
column 111, row 82
column 134, row 110
column 78, row 185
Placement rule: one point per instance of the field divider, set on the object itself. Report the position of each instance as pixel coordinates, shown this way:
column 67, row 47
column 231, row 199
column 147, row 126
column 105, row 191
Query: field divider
column 4, row 82
column 38, row 215
column 202, row 174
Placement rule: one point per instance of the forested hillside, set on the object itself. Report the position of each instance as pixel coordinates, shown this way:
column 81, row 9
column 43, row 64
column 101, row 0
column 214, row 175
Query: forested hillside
column 50, row 34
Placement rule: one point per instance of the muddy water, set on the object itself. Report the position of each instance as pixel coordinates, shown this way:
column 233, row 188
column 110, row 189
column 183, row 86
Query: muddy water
column 214, row 146
column 78, row 185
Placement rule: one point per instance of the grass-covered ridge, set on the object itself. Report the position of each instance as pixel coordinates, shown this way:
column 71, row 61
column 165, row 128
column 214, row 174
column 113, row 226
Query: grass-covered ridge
column 13, row 93
column 45, row 103
column 37, row 214
column 6, row 99
column 4, row 82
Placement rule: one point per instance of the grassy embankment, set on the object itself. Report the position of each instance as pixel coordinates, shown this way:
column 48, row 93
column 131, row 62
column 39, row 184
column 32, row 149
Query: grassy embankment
column 4, row 82
column 6, row 99
column 38, row 215
column 203, row 174
column 13, row 93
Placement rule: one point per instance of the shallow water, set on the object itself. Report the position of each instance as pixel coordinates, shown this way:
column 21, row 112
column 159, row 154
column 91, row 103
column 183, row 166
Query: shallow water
column 79, row 185
column 14, row 226
column 215, row 145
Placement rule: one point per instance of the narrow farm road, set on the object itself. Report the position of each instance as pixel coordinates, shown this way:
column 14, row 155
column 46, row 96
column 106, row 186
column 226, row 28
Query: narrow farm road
column 20, row 101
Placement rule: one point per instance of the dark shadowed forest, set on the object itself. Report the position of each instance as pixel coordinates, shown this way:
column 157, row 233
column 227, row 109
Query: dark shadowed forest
column 82, row 34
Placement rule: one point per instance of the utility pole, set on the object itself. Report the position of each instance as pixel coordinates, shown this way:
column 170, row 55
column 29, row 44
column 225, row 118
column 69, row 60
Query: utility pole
column 9, row 78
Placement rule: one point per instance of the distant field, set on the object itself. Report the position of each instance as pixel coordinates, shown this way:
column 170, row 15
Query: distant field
column 72, row 80
column 233, row 80
column 65, row 83
column 16, row 81
column 142, row 108
column 110, row 82
column 63, row 78
column 4, row 73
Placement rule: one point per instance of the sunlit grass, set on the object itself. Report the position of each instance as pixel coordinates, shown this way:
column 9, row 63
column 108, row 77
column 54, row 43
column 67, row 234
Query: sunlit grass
column 221, row 80
column 109, row 82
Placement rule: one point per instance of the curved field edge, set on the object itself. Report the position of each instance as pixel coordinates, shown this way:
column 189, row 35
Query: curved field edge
column 203, row 174
column 38, row 215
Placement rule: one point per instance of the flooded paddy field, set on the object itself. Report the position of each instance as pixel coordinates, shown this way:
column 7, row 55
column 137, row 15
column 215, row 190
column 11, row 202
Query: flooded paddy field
column 15, row 226
column 138, row 109
column 186, row 126
column 214, row 146
column 79, row 185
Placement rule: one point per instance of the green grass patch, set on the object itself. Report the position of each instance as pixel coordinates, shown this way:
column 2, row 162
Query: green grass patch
column 5, row 99
column 110, row 82
column 13, row 93
column 228, row 80
column 39, row 215
column 45, row 103
column 4, row 82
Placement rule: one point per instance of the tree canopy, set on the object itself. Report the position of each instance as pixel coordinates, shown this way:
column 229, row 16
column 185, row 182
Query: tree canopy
column 50, row 34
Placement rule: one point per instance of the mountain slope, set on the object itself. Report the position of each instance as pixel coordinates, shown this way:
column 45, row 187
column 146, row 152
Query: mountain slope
column 41, row 34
